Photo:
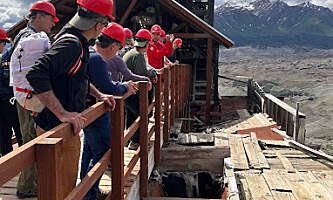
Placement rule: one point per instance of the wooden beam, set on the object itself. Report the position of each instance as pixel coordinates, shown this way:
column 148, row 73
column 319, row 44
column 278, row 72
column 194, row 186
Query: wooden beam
column 166, row 104
column 209, row 77
column 128, row 11
column 89, row 180
column 158, row 106
column 192, row 35
column 117, row 150
column 50, row 168
column 23, row 157
column 143, row 88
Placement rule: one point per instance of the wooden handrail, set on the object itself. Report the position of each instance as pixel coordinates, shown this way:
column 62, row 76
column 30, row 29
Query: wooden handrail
column 26, row 156
column 89, row 180
column 131, row 130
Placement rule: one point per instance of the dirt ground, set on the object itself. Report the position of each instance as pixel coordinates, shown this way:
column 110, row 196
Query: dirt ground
column 300, row 75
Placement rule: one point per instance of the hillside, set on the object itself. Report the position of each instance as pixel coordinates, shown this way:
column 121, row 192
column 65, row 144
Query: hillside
column 276, row 24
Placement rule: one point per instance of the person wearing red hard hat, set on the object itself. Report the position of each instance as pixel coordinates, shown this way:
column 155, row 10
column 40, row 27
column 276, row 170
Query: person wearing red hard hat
column 3, row 39
column 136, row 62
column 60, row 79
column 40, row 20
column 157, row 50
column 8, row 113
column 97, row 134
column 177, row 43
column 45, row 7
column 162, row 37
column 129, row 42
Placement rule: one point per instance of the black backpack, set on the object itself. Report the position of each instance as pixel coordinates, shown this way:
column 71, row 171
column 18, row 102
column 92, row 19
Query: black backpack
column 5, row 61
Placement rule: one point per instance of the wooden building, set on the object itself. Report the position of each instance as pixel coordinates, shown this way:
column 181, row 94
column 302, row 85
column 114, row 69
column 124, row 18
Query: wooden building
column 190, row 20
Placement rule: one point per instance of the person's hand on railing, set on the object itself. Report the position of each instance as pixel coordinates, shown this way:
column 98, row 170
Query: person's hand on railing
column 154, row 79
column 109, row 101
column 74, row 118
column 150, row 85
column 132, row 87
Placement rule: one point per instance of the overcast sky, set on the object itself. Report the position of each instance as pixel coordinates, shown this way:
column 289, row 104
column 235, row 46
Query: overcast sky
column 12, row 11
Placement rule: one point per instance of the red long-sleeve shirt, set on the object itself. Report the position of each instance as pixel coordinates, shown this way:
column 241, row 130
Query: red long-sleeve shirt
column 157, row 51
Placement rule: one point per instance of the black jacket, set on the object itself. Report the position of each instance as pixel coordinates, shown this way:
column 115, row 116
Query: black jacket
column 50, row 73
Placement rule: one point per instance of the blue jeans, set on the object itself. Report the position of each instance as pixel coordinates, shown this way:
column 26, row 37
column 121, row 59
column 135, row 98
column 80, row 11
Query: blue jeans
column 96, row 143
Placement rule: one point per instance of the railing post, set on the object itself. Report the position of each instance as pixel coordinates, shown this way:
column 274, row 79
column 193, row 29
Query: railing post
column 173, row 93
column 177, row 86
column 117, row 149
column 50, row 168
column 296, row 123
column 166, row 105
column 143, row 88
column 158, row 105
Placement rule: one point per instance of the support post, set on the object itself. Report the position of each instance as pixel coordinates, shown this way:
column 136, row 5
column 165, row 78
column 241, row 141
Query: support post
column 50, row 168
column 158, row 105
column 209, row 78
column 296, row 125
column 143, row 88
column 127, row 12
column 177, row 86
column 166, row 105
column 117, row 150
column 173, row 92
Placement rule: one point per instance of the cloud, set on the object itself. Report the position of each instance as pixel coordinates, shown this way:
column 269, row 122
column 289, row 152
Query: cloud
column 12, row 11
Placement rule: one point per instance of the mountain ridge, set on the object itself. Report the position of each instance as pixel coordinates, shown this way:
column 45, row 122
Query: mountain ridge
column 266, row 23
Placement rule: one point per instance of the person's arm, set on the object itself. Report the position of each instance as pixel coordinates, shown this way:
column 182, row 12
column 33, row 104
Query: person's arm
column 141, row 65
column 108, row 99
column 52, row 64
column 157, row 54
column 99, row 75
column 52, row 103
column 127, row 73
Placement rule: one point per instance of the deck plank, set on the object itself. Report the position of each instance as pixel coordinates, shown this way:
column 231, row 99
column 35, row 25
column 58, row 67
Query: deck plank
column 275, row 181
column 285, row 162
column 238, row 156
column 258, row 187
column 260, row 156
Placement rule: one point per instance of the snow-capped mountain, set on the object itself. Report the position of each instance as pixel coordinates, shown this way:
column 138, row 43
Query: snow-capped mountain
column 275, row 23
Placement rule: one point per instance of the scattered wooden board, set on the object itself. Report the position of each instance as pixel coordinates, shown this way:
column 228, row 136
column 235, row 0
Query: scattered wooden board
column 260, row 156
column 317, row 188
column 238, row 156
column 326, row 180
column 275, row 181
column 285, row 162
column 278, row 195
column 298, row 186
column 258, row 188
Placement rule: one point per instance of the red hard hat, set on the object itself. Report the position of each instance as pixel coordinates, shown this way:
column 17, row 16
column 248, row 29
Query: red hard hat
column 46, row 7
column 162, row 33
column 178, row 42
column 103, row 7
column 143, row 33
column 115, row 31
column 155, row 29
column 3, row 35
column 128, row 33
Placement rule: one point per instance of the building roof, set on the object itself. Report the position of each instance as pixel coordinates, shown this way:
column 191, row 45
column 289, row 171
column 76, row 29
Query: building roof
column 66, row 9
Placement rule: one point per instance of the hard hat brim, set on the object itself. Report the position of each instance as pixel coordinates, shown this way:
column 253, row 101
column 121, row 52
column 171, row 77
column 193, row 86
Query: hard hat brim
column 83, row 23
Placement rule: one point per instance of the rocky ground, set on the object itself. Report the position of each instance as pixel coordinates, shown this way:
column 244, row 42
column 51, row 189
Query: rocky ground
column 300, row 75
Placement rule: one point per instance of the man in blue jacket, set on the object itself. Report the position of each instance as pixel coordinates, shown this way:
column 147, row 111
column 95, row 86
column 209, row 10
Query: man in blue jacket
column 97, row 134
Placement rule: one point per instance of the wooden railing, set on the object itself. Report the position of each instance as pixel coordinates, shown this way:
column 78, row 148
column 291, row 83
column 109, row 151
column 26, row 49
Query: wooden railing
column 290, row 119
column 46, row 150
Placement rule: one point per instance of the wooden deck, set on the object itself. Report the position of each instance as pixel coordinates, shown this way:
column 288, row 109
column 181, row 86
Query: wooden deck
column 273, row 169
column 8, row 190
